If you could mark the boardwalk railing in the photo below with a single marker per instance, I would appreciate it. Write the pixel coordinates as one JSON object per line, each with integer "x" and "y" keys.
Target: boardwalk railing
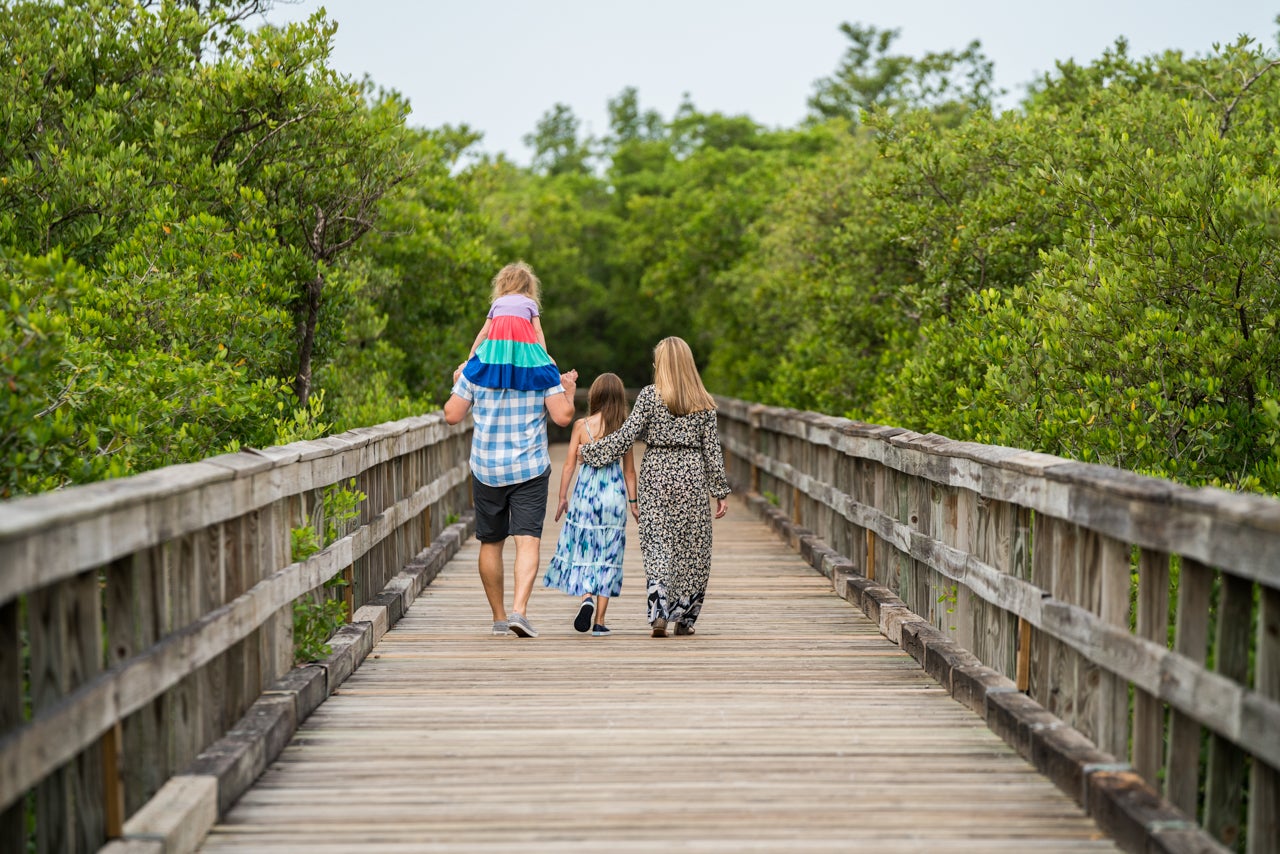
{"x": 1142, "y": 613}
{"x": 141, "y": 618}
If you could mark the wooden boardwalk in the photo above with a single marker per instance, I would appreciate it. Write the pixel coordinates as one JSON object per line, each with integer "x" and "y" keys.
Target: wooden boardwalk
{"x": 788, "y": 723}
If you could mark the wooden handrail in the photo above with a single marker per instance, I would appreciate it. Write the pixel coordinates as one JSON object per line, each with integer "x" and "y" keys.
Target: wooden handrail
{"x": 1059, "y": 575}
{"x": 155, "y": 609}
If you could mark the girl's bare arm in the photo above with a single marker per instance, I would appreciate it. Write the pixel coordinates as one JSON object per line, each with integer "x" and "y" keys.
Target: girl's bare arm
{"x": 570, "y": 463}
{"x": 481, "y": 336}
{"x": 537, "y": 331}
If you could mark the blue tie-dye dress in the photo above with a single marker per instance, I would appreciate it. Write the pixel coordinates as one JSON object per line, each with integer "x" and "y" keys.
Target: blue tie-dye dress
{"x": 588, "y": 556}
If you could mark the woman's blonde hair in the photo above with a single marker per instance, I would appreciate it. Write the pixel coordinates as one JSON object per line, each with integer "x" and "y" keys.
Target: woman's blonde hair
{"x": 608, "y": 397}
{"x": 517, "y": 278}
{"x": 676, "y": 378}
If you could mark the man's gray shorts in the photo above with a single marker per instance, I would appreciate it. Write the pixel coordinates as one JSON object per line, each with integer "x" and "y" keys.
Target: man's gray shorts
{"x": 510, "y": 511}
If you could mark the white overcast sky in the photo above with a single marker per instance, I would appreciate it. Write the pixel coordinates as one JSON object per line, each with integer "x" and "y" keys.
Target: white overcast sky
{"x": 498, "y": 65}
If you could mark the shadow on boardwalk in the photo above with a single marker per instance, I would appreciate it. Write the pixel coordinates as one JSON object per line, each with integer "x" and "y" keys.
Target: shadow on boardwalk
{"x": 788, "y": 723}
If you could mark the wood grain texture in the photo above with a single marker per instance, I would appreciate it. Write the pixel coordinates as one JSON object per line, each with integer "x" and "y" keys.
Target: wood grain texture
{"x": 1182, "y": 779}
{"x": 1264, "y": 780}
{"x": 788, "y": 722}
{"x": 1153, "y": 625}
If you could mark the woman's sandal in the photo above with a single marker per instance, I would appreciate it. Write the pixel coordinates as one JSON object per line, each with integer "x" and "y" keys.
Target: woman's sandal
{"x": 682, "y": 629}
{"x": 659, "y": 628}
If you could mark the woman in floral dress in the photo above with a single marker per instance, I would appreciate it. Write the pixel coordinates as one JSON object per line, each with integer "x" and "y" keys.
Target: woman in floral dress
{"x": 683, "y": 467}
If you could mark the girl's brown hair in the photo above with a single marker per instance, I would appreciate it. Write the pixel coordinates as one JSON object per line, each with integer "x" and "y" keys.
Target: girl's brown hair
{"x": 609, "y": 398}
{"x": 676, "y": 378}
{"x": 517, "y": 278}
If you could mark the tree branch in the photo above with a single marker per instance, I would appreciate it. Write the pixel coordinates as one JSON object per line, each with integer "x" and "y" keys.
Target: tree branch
{"x": 1225, "y": 124}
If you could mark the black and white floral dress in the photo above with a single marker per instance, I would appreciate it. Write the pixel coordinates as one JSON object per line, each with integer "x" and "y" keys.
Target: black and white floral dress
{"x": 683, "y": 468}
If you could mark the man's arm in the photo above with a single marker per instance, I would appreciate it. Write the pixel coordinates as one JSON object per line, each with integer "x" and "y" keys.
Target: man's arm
{"x": 455, "y": 409}
{"x": 559, "y": 406}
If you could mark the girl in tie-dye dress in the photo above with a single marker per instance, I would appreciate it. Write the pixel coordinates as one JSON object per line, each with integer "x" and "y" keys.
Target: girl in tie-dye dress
{"x": 510, "y": 350}
{"x": 588, "y": 558}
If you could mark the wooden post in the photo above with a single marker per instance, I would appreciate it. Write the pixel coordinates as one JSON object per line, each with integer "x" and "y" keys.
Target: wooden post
{"x": 84, "y": 628}
{"x": 1153, "y": 625}
{"x": 1225, "y": 776}
{"x": 12, "y": 830}
{"x": 48, "y": 645}
{"x": 1040, "y": 647}
{"x": 1182, "y": 779}
{"x": 1024, "y": 655}
{"x": 1112, "y": 710}
{"x": 112, "y": 781}
{"x": 185, "y": 712}
{"x": 754, "y": 446}
{"x": 348, "y": 590}
{"x": 871, "y": 555}
{"x": 995, "y": 540}
{"x": 1264, "y": 781}
{"x": 1063, "y": 680}
{"x": 132, "y": 627}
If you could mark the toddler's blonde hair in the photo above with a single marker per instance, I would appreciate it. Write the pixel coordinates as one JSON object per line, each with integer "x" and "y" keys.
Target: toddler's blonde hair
{"x": 517, "y": 278}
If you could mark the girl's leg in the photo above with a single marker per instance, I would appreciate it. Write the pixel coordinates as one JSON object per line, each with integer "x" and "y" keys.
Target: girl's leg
{"x": 602, "y": 604}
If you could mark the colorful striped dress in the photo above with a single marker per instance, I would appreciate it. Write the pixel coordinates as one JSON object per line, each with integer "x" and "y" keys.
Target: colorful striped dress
{"x": 511, "y": 357}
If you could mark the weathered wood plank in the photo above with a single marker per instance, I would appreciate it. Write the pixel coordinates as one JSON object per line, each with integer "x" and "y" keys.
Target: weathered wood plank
{"x": 85, "y": 653}
{"x": 1112, "y": 713}
{"x": 1182, "y": 779}
{"x": 113, "y": 782}
{"x": 1225, "y": 774}
{"x": 12, "y": 824}
{"x": 132, "y": 618}
{"x": 50, "y": 656}
{"x": 1264, "y": 779}
{"x": 1153, "y": 625}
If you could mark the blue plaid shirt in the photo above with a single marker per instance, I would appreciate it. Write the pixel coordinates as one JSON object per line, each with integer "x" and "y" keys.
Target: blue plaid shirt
{"x": 510, "y": 441}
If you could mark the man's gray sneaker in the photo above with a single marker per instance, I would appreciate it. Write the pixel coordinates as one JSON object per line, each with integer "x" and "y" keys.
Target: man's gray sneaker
{"x": 500, "y": 628}
{"x": 520, "y": 626}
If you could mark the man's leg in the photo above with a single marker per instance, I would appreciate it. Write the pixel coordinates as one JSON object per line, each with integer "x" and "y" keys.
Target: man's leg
{"x": 526, "y": 571}
{"x": 528, "y": 510}
{"x": 492, "y": 531}
{"x": 491, "y": 577}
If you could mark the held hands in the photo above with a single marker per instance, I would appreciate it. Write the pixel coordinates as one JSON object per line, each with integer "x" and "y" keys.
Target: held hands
{"x": 722, "y": 507}
{"x": 561, "y": 508}
{"x": 570, "y": 382}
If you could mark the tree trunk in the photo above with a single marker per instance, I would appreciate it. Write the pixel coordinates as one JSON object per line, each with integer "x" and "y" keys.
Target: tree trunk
{"x": 307, "y": 342}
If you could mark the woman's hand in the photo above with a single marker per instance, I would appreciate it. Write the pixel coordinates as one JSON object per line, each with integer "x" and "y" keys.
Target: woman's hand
{"x": 561, "y": 508}
{"x": 722, "y": 507}
{"x": 635, "y": 509}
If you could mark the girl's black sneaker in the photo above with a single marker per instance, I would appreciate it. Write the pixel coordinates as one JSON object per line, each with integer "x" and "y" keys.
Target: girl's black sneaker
{"x": 600, "y": 631}
{"x": 586, "y": 611}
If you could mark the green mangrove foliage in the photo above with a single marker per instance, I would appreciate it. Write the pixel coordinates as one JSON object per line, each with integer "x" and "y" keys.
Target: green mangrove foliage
{"x": 1091, "y": 274}
{"x": 184, "y": 207}
{"x": 208, "y": 239}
